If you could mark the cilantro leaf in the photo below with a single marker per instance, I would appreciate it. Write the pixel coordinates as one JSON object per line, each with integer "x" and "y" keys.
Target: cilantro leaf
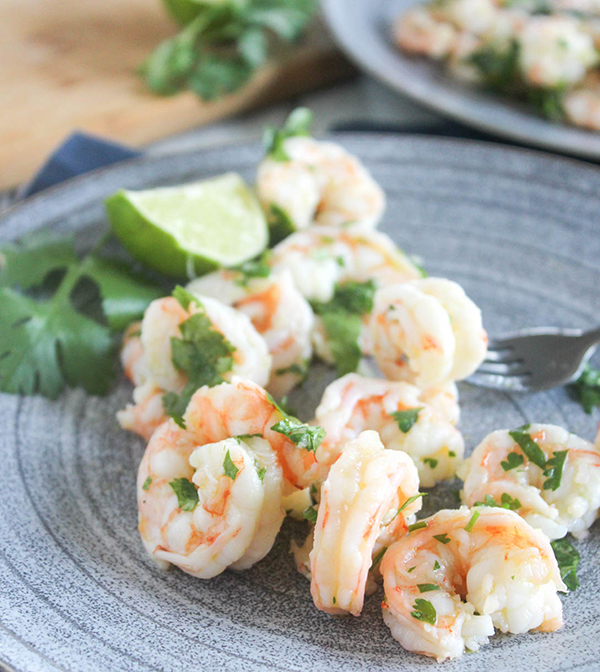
{"x": 28, "y": 263}
{"x": 471, "y": 524}
{"x": 377, "y": 559}
{"x": 187, "y": 494}
{"x": 442, "y": 538}
{"x": 587, "y": 388}
{"x": 406, "y": 419}
{"x": 215, "y": 76}
{"x": 229, "y": 468}
{"x": 280, "y": 224}
{"x": 417, "y": 526}
{"x": 554, "y": 470}
{"x": 424, "y": 611}
{"x": 410, "y": 500}
{"x": 298, "y": 123}
{"x": 342, "y": 331}
{"x": 147, "y": 483}
{"x": 436, "y": 565}
{"x": 567, "y": 558}
{"x": 513, "y": 460}
{"x": 534, "y": 453}
{"x": 303, "y": 435}
{"x": 431, "y": 461}
{"x": 185, "y": 298}
{"x": 310, "y": 514}
{"x": 45, "y": 345}
{"x": 427, "y": 587}
{"x": 354, "y": 298}
{"x": 202, "y": 353}
{"x": 125, "y": 296}
{"x": 298, "y": 369}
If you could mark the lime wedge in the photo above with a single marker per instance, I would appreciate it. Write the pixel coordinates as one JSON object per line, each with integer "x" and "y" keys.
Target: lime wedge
{"x": 190, "y": 229}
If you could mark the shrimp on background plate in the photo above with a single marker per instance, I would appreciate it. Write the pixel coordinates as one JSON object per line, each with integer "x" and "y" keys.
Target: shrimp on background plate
{"x": 547, "y": 475}
{"x": 368, "y": 499}
{"x": 148, "y": 357}
{"x": 278, "y": 311}
{"x": 404, "y": 420}
{"x": 461, "y": 574}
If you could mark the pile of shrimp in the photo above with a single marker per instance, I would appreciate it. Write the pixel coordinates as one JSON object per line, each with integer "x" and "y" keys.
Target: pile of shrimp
{"x": 225, "y": 463}
{"x": 547, "y": 52}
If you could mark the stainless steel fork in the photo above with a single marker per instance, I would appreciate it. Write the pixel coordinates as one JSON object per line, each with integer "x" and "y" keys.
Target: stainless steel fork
{"x": 536, "y": 359}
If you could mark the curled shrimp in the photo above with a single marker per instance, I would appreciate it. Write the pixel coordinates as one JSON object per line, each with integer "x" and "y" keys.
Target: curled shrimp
{"x": 321, "y": 257}
{"x": 451, "y": 582}
{"x": 426, "y": 332}
{"x": 353, "y": 404}
{"x": 147, "y": 357}
{"x": 558, "y": 491}
{"x": 319, "y": 183}
{"x": 279, "y": 313}
{"x": 207, "y": 507}
{"x": 243, "y": 408}
{"x": 361, "y": 504}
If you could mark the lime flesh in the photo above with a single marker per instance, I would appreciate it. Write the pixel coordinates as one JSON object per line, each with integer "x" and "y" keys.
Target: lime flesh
{"x": 191, "y": 229}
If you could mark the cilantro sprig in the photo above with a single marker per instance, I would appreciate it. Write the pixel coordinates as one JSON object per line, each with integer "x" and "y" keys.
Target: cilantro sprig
{"x": 424, "y": 611}
{"x": 222, "y": 45}
{"x": 531, "y": 449}
{"x": 187, "y": 493}
{"x": 56, "y": 329}
{"x": 303, "y": 435}
{"x": 202, "y": 353}
{"x": 297, "y": 124}
{"x": 341, "y": 317}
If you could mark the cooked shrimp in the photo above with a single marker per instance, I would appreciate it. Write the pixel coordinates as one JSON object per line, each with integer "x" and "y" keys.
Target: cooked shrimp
{"x": 418, "y": 32}
{"x": 449, "y": 583}
{"x": 558, "y": 491}
{"x": 148, "y": 356}
{"x": 361, "y": 502}
{"x": 279, "y": 313}
{"x": 243, "y": 408}
{"x": 319, "y": 258}
{"x": 426, "y": 332}
{"x": 207, "y": 507}
{"x": 353, "y": 404}
{"x": 320, "y": 183}
{"x": 555, "y": 51}
{"x": 582, "y": 105}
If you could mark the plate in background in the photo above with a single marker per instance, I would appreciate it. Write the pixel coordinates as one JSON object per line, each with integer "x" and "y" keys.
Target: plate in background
{"x": 364, "y": 33}
{"x": 77, "y": 592}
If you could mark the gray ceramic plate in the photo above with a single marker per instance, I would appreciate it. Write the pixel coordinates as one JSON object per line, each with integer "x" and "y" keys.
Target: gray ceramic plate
{"x": 363, "y": 31}
{"x": 517, "y": 229}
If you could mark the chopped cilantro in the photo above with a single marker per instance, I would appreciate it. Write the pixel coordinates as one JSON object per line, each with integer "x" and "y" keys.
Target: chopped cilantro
{"x": 406, "y": 419}
{"x": 310, "y": 513}
{"x": 554, "y": 470}
{"x": 567, "y": 558}
{"x": 298, "y": 369}
{"x": 334, "y": 600}
{"x": 451, "y": 453}
{"x": 534, "y": 453}
{"x": 303, "y": 435}
{"x": 512, "y": 461}
{"x": 261, "y": 473}
{"x": 280, "y": 224}
{"x": 417, "y": 526}
{"x": 185, "y": 298}
{"x": 410, "y": 569}
{"x": 202, "y": 353}
{"x": 471, "y": 524}
{"x": 254, "y": 268}
{"x": 587, "y": 388}
{"x": 355, "y": 298}
{"x": 229, "y": 468}
{"x": 424, "y": 611}
{"x": 427, "y": 587}
{"x": 243, "y": 437}
{"x": 298, "y": 123}
{"x": 147, "y": 483}
{"x": 187, "y": 495}
{"x": 431, "y": 461}
{"x": 410, "y": 500}
{"x": 436, "y": 565}
{"x": 442, "y": 538}
{"x": 506, "y": 502}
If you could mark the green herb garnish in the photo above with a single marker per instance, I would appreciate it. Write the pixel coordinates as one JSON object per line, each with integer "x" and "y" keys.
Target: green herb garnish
{"x": 304, "y": 436}
{"x": 406, "y": 419}
{"x": 431, "y": 461}
{"x": 442, "y": 538}
{"x": 417, "y": 526}
{"x": 377, "y": 558}
{"x": 187, "y": 495}
{"x": 427, "y": 587}
{"x": 436, "y": 565}
{"x": 587, "y": 388}
{"x": 506, "y": 502}
{"x": 410, "y": 569}
{"x": 229, "y": 468}
{"x": 513, "y": 460}
{"x": 147, "y": 483}
{"x": 534, "y": 453}
{"x": 469, "y": 526}
{"x": 554, "y": 470}
{"x": 298, "y": 123}
{"x": 254, "y": 268}
{"x": 310, "y": 513}
{"x": 424, "y": 611}
{"x": 567, "y": 558}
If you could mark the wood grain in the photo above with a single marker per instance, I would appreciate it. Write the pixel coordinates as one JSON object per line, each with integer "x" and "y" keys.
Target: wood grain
{"x": 69, "y": 65}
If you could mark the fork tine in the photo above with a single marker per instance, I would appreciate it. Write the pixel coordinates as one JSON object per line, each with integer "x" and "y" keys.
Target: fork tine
{"x": 499, "y": 355}
{"x": 514, "y": 368}
{"x": 499, "y": 382}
